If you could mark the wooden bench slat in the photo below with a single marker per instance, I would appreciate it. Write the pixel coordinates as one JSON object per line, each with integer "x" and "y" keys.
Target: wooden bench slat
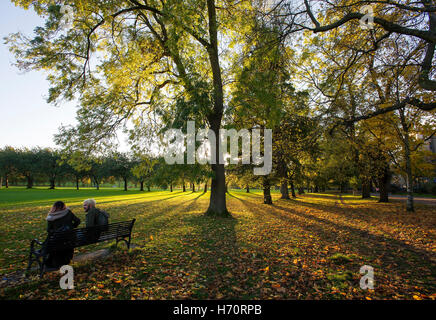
{"x": 84, "y": 236}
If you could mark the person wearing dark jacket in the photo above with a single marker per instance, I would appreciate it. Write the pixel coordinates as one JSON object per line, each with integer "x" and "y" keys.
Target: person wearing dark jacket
{"x": 60, "y": 218}
{"x": 91, "y": 212}
{"x": 92, "y": 220}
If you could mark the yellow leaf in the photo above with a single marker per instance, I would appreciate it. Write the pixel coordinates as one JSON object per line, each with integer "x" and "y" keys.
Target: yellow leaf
{"x": 237, "y": 289}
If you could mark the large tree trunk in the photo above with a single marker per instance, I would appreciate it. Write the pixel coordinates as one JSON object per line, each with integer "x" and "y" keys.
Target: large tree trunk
{"x": 284, "y": 189}
{"x": 409, "y": 182}
{"x": 171, "y": 187}
{"x": 342, "y": 188}
{"x": 409, "y": 178}
{"x": 29, "y": 182}
{"x": 366, "y": 188}
{"x": 293, "y": 189}
{"x": 141, "y": 185}
{"x": 193, "y": 187}
{"x": 266, "y": 191}
{"x": 52, "y": 183}
{"x": 409, "y": 175}
{"x": 125, "y": 184}
{"x": 217, "y": 205}
{"x": 77, "y": 183}
{"x": 247, "y": 188}
{"x": 97, "y": 183}
{"x": 184, "y": 187}
{"x": 6, "y": 181}
{"x": 148, "y": 188}
{"x": 383, "y": 184}
{"x": 300, "y": 190}
{"x": 205, "y": 188}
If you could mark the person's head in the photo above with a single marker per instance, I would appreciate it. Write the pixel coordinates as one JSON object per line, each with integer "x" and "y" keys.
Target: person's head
{"x": 58, "y": 206}
{"x": 88, "y": 204}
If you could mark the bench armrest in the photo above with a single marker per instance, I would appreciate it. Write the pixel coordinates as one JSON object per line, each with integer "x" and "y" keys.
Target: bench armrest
{"x": 32, "y": 244}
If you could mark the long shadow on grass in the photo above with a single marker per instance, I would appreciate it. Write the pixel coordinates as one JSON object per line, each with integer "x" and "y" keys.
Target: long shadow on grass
{"x": 154, "y": 216}
{"x": 144, "y": 197}
{"x": 368, "y": 242}
{"x": 225, "y": 269}
{"x": 352, "y": 211}
{"x": 362, "y": 235}
{"x": 394, "y": 253}
{"x": 217, "y": 251}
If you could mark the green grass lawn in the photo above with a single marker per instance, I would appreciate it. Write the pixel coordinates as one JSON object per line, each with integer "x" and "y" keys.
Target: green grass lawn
{"x": 20, "y": 196}
{"x": 310, "y": 247}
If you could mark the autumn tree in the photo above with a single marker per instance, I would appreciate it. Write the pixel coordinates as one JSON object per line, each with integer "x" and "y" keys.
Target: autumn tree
{"x": 119, "y": 165}
{"x": 363, "y": 73}
{"x": 153, "y": 51}
{"x": 295, "y": 140}
{"x": 51, "y": 165}
{"x": 415, "y": 22}
{"x": 262, "y": 87}
{"x": 29, "y": 164}
{"x": 142, "y": 170}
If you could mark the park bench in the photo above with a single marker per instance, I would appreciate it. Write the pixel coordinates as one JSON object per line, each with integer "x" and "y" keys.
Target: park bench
{"x": 70, "y": 239}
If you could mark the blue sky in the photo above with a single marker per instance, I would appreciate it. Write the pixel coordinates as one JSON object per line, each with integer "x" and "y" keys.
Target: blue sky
{"x": 26, "y": 119}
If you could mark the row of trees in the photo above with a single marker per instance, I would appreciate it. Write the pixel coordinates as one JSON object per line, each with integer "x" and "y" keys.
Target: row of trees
{"x": 53, "y": 166}
{"x": 303, "y": 159}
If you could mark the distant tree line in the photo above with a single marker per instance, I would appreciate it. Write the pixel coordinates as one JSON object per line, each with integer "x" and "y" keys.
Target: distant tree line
{"x": 53, "y": 167}
{"x": 302, "y": 162}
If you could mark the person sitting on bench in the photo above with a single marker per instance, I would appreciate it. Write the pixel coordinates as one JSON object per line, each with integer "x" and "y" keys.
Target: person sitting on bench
{"x": 94, "y": 217}
{"x": 60, "y": 218}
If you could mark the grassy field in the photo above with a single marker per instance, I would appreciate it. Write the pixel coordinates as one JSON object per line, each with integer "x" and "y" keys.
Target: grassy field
{"x": 309, "y": 248}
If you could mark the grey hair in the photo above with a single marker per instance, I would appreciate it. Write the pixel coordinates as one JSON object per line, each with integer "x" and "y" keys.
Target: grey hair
{"x": 90, "y": 202}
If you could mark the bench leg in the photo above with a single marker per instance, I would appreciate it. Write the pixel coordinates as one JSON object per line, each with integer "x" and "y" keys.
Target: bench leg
{"x": 29, "y": 264}
{"x": 128, "y": 243}
{"x": 32, "y": 258}
{"x": 41, "y": 266}
{"x": 31, "y": 261}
